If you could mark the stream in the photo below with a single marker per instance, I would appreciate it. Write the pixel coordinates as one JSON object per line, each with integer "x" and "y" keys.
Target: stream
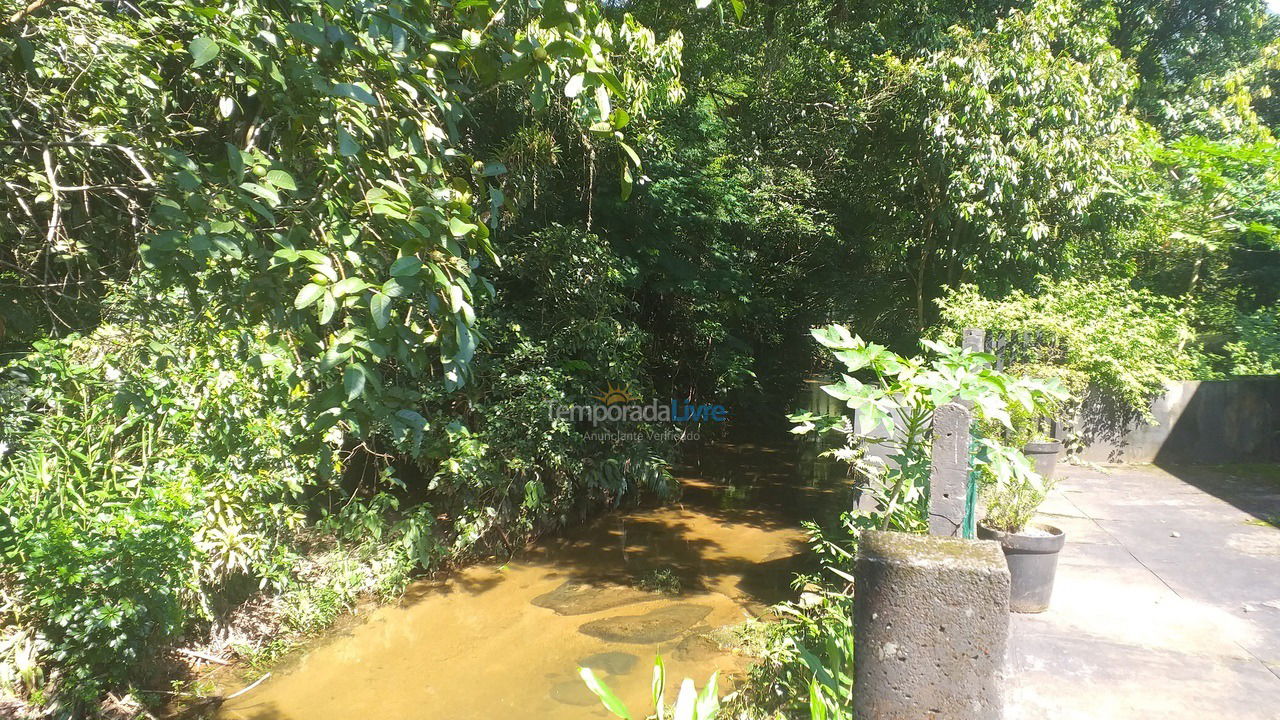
{"x": 504, "y": 640}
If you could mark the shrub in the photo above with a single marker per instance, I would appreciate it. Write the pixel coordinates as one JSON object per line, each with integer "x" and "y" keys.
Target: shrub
{"x": 156, "y": 470}
{"x": 278, "y": 217}
{"x": 1011, "y": 487}
{"x": 106, "y": 574}
{"x": 1257, "y": 352}
{"x": 1128, "y": 342}
{"x": 1030, "y": 426}
{"x": 894, "y": 398}
{"x": 142, "y": 480}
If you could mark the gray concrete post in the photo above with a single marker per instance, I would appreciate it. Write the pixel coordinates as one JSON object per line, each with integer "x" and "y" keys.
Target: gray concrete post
{"x": 932, "y": 621}
{"x": 949, "y": 475}
{"x": 974, "y": 339}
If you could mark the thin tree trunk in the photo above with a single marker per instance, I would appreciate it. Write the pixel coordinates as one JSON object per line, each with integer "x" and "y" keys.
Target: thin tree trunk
{"x": 922, "y": 272}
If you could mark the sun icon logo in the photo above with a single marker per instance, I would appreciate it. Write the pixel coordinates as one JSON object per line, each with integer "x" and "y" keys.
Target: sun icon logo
{"x": 615, "y": 395}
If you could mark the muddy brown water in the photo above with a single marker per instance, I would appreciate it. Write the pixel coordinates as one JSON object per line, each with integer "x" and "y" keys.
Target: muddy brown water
{"x": 503, "y": 640}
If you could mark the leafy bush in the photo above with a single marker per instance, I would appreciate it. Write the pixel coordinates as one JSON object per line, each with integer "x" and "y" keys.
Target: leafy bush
{"x": 130, "y": 499}
{"x": 1128, "y": 342}
{"x": 1257, "y": 352}
{"x": 1013, "y": 490}
{"x": 106, "y": 576}
{"x": 279, "y": 217}
{"x": 1035, "y": 426}
{"x": 183, "y": 447}
{"x": 561, "y": 330}
{"x": 810, "y": 663}
{"x": 811, "y": 659}
{"x": 894, "y": 409}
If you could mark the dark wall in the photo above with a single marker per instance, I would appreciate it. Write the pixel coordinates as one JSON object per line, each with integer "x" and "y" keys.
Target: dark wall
{"x": 1195, "y": 421}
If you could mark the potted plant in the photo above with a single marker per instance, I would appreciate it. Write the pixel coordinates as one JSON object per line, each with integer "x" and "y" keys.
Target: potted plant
{"x": 894, "y": 398}
{"x": 889, "y": 433}
{"x": 1033, "y": 431}
{"x": 1013, "y": 493}
{"x": 1043, "y": 451}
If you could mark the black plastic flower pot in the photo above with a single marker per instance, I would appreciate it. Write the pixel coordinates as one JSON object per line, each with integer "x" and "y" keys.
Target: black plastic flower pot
{"x": 1044, "y": 455}
{"x": 1032, "y": 556}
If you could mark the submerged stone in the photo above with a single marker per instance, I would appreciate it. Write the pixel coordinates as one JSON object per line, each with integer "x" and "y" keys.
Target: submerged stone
{"x": 659, "y": 625}
{"x": 573, "y": 692}
{"x": 612, "y": 663}
{"x": 696, "y": 648}
{"x": 581, "y": 598}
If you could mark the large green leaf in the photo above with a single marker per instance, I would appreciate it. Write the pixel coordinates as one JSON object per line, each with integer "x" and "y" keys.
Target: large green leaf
{"x": 658, "y": 685}
{"x": 602, "y": 691}
{"x": 347, "y": 145}
{"x": 353, "y": 381}
{"x": 380, "y": 307}
{"x": 348, "y": 286}
{"x": 355, "y": 91}
{"x": 407, "y": 266}
{"x": 203, "y": 50}
{"x": 281, "y": 179}
{"x": 307, "y": 33}
{"x": 307, "y": 295}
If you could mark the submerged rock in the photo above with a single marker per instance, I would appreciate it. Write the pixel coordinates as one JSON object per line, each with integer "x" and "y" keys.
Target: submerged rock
{"x": 611, "y": 663}
{"x": 573, "y": 692}
{"x": 659, "y": 625}
{"x": 696, "y": 648}
{"x": 575, "y": 597}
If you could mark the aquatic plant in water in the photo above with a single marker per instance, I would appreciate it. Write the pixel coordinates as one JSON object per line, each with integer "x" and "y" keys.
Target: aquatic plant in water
{"x": 690, "y": 704}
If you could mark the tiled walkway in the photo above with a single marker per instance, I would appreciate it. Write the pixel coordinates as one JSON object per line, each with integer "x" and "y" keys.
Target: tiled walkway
{"x": 1167, "y": 602}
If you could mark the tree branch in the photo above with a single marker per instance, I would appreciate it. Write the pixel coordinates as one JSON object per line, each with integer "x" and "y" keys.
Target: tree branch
{"x": 35, "y": 5}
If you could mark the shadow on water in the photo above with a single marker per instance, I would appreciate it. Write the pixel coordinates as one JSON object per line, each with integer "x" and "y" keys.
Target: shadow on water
{"x": 726, "y": 487}
{"x": 504, "y": 640}
{"x": 753, "y": 485}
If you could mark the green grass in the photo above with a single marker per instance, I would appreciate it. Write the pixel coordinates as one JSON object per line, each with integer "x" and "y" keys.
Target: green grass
{"x": 660, "y": 580}
{"x": 752, "y": 638}
{"x": 1268, "y": 521}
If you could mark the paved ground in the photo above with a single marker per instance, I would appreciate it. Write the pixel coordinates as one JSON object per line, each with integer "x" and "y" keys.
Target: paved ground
{"x": 1167, "y": 602}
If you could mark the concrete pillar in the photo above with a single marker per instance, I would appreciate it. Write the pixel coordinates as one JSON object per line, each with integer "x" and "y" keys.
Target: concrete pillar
{"x": 949, "y": 476}
{"x": 931, "y": 619}
{"x": 973, "y": 339}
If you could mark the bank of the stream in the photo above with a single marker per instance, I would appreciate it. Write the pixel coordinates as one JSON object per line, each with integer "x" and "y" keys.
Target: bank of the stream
{"x": 504, "y": 639}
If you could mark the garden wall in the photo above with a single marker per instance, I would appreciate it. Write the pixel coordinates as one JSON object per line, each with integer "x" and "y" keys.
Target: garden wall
{"x": 1195, "y": 421}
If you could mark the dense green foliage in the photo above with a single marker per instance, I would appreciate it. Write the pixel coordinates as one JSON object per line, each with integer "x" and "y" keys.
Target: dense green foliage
{"x": 1128, "y": 342}
{"x": 894, "y": 409}
{"x": 287, "y": 288}
{"x": 894, "y": 398}
{"x": 1257, "y": 352}
{"x": 269, "y": 225}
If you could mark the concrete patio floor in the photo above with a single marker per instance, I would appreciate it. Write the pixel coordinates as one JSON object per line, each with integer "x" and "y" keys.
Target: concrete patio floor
{"x": 1166, "y": 605}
